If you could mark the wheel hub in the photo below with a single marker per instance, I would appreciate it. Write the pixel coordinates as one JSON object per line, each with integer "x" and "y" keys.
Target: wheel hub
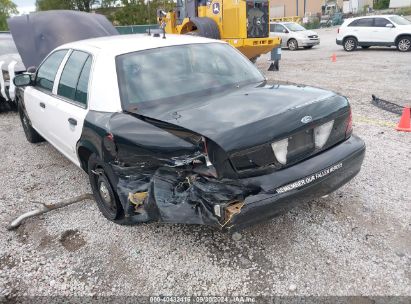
{"x": 104, "y": 193}
{"x": 404, "y": 45}
{"x": 25, "y": 122}
{"x": 349, "y": 44}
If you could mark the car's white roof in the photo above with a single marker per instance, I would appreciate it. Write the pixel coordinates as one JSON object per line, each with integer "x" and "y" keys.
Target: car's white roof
{"x": 122, "y": 44}
{"x": 282, "y": 22}
{"x": 372, "y": 16}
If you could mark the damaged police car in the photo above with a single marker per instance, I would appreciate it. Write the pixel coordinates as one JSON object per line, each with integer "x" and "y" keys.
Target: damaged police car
{"x": 185, "y": 129}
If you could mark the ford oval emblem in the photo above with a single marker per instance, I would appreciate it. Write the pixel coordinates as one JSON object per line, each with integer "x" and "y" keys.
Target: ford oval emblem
{"x": 306, "y": 119}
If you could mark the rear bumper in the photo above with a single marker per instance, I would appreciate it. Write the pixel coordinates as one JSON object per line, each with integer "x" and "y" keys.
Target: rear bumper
{"x": 338, "y": 42}
{"x": 313, "y": 178}
{"x": 176, "y": 196}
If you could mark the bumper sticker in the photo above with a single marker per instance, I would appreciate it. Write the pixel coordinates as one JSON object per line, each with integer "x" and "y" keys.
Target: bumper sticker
{"x": 309, "y": 179}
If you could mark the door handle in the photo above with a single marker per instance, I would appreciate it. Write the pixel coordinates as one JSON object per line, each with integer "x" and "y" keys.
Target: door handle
{"x": 72, "y": 121}
{"x": 43, "y": 105}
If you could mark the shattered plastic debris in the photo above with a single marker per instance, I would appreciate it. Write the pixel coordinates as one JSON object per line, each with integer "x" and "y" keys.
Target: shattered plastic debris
{"x": 232, "y": 210}
{"x": 137, "y": 199}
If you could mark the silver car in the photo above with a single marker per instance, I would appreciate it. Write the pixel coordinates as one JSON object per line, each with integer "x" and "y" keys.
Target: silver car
{"x": 294, "y": 35}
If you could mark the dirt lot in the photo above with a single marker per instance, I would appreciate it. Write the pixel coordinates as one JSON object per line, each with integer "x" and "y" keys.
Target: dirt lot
{"x": 355, "y": 242}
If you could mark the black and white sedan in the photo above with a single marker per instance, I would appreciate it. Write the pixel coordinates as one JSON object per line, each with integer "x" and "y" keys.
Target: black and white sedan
{"x": 186, "y": 130}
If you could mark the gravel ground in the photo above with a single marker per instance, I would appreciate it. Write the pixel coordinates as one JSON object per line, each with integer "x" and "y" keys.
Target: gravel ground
{"x": 355, "y": 242}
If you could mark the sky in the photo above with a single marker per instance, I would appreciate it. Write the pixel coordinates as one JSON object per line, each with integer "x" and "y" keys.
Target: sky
{"x": 25, "y": 6}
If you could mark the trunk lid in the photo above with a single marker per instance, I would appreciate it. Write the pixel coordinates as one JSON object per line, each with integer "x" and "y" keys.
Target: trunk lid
{"x": 252, "y": 116}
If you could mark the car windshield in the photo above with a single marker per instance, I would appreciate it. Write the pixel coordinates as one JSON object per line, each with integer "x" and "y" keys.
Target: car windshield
{"x": 294, "y": 27}
{"x": 7, "y": 45}
{"x": 399, "y": 20}
{"x": 176, "y": 72}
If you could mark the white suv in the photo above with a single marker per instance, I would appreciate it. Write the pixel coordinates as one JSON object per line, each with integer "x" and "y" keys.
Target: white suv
{"x": 384, "y": 30}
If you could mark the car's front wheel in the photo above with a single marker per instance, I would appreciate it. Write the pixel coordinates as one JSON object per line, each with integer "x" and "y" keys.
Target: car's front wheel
{"x": 350, "y": 44}
{"x": 404, "y": 44}
{"x": 104, "y": 194}
{"x": 292, "y": 44}
{"x": 31, "y": 135}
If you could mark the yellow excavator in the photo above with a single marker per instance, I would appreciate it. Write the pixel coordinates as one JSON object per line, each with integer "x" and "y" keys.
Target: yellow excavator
{"x": 242, "y": 23}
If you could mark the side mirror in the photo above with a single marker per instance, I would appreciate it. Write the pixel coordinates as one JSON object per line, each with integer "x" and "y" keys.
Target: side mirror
{"x": 22, "y": 80}
{"x": 32, "y": 70}
{"x": 389, "y": 25}
{"x": 285, "y": 31}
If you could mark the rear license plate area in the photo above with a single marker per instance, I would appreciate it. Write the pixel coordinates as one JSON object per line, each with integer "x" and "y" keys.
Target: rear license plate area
{"x": 300, "y": 145}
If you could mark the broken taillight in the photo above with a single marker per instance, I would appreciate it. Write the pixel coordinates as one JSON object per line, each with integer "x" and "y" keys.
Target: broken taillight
{"x": 322, "y": 133}
{"x": 280, "y": 150}
{"x": 348, "y": 129}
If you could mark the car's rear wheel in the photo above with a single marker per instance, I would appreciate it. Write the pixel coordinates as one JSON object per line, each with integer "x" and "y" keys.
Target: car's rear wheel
{"x": 104, "y": 194}
{"x": 292, "y": 44}
{"x": 31, "y": 135}
{"x": 350, "y": 44}
{"x": 404, "y": 44}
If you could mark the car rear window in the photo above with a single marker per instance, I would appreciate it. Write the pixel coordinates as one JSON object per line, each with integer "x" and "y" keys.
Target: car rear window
{"x": 168, "y": 73}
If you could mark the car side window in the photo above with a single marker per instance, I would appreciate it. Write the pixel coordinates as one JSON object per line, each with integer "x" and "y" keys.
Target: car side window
{"x": 364, "y": 22}
{"x": 82, "y": 85}
{"x": 272, "y": 27}
{"x": 48, "y": 70}
{"x": 73, "y": 79}
{"x": 279, "y": 28}
{"x": 381, "y": 22}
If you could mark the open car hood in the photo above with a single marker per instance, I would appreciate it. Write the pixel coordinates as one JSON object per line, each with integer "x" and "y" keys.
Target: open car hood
{"x": 37, "y": 34}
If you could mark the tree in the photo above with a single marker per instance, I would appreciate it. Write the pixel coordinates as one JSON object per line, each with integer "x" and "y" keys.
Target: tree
{"x": 80, "y": 5}
{"x": 140, "y": 11}
{"x": 7, "y": 8}
{"x": 381, "y": 4}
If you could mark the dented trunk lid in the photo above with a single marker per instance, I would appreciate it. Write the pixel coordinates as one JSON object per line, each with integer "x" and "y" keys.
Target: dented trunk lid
{"x": 251, "y": 116}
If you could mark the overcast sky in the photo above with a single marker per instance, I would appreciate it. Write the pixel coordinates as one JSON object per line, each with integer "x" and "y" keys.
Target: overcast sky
{"x": 25, "y": 6}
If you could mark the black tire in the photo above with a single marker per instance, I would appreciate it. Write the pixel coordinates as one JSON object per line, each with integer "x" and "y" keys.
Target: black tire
{"x": 31, "y": 135}
{"x": 104, "y": 195}
{"x": 4, "y": 105}
{"x": 292, "y": 44}
{"x": 365, "y": 47}
{"x": 404, "y": 44}
{"x": 308, "y": 47}
{"x": 350, "y": 44}
{"x": 206, "y": 27}
{"x": 254, "y": 59}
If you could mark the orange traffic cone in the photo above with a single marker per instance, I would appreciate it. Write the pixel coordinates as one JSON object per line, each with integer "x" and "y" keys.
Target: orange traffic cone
{"x": 405, "y": 123}
{"x": 333, "y": 58}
